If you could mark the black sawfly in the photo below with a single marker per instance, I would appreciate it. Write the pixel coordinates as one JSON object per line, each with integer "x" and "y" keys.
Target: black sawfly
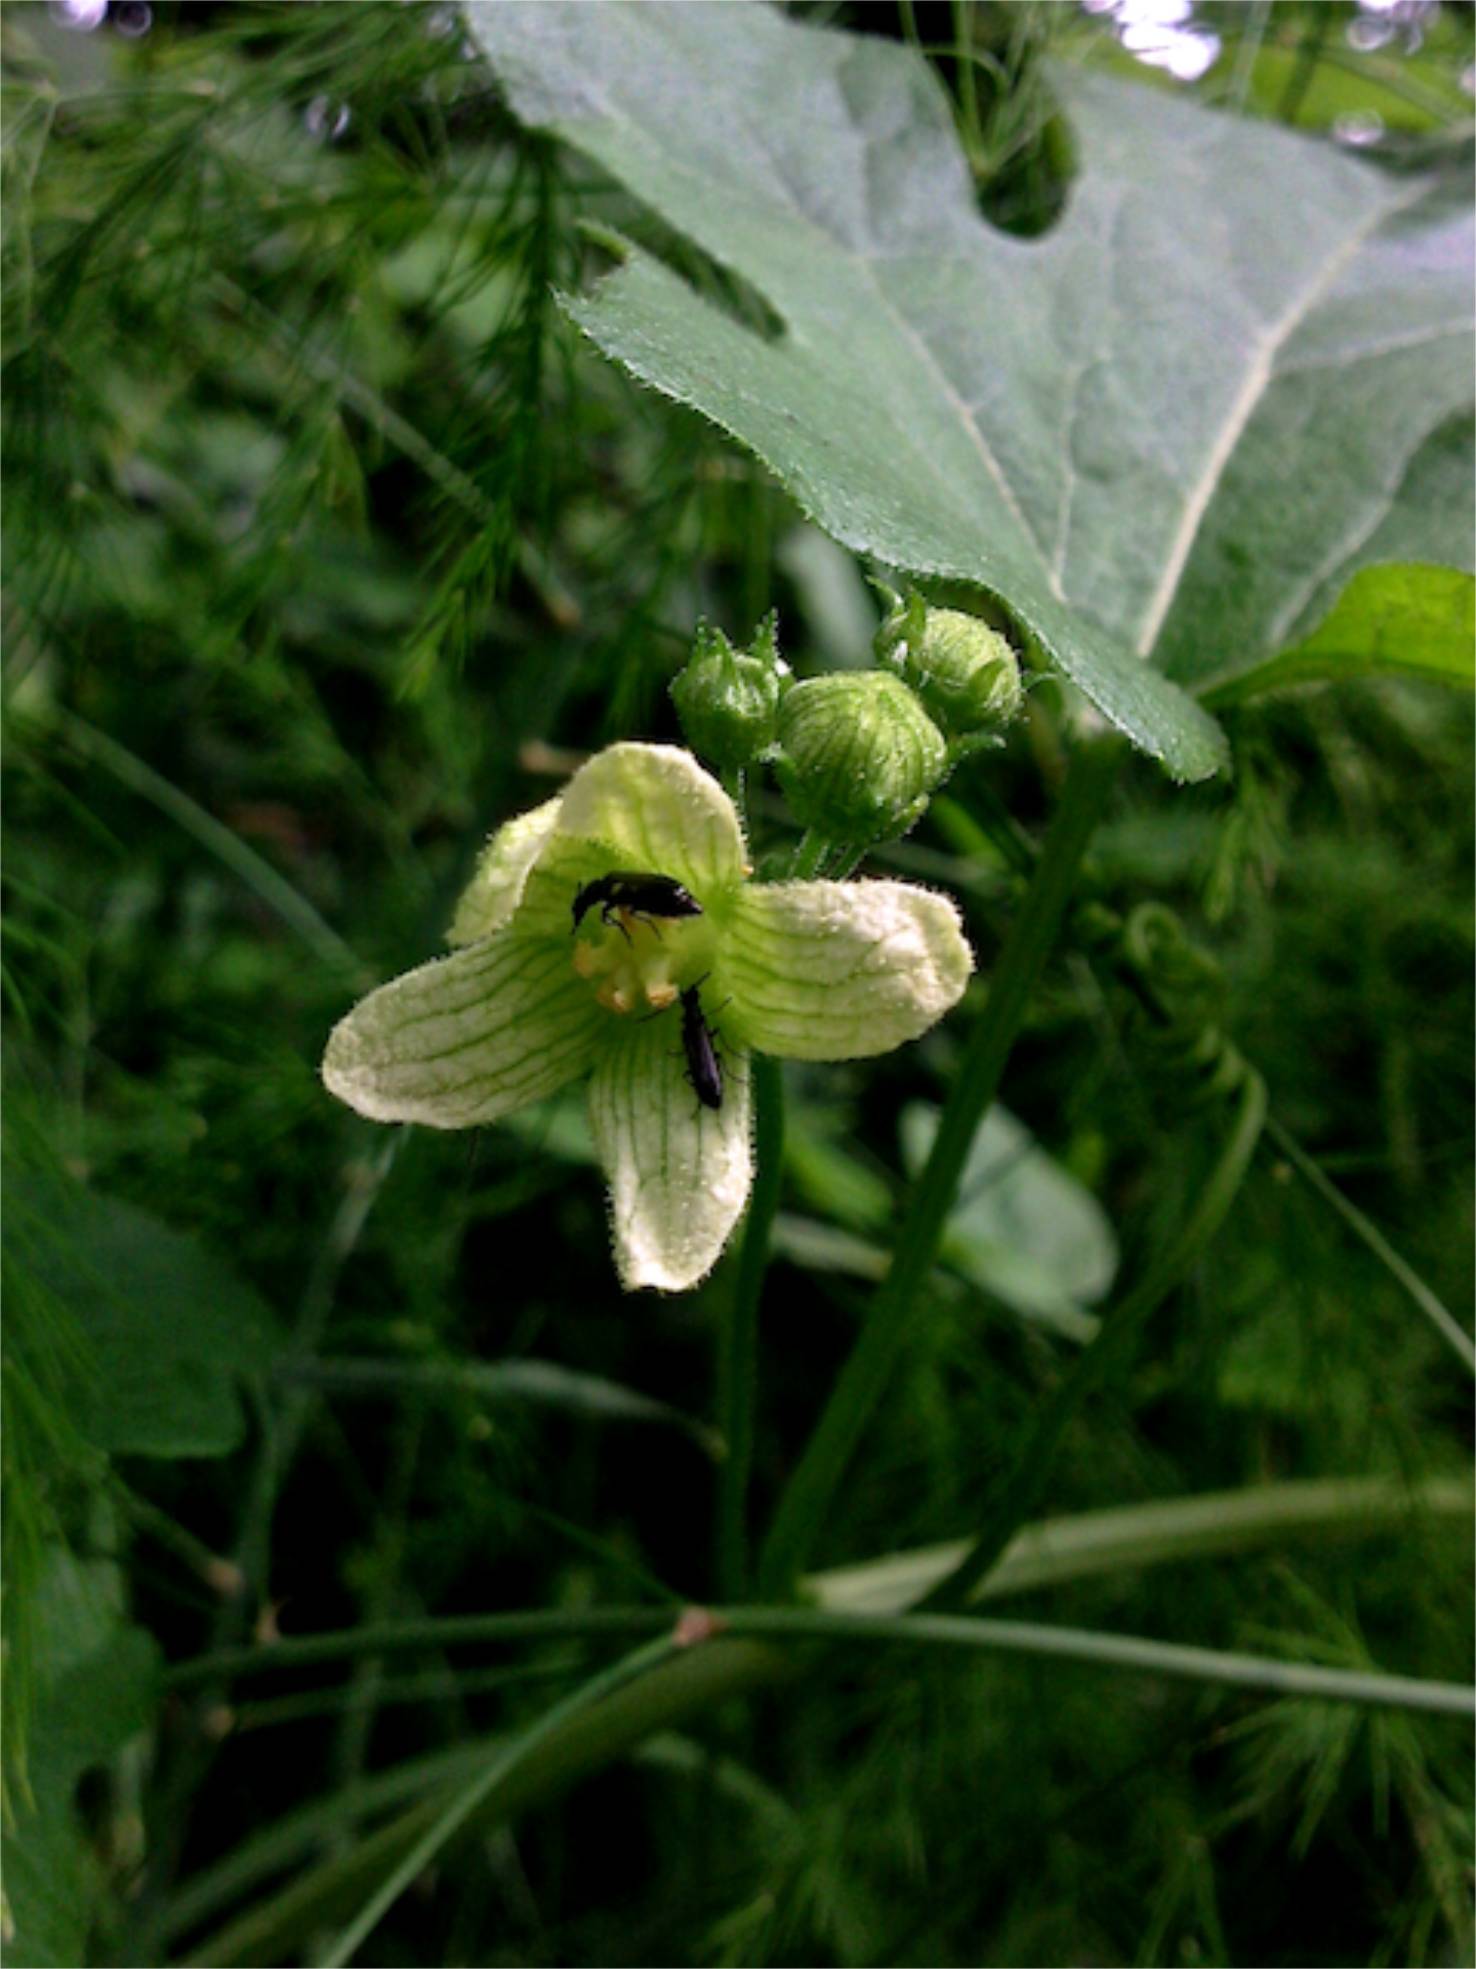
{"x": 637, "y": 894}
{"x": 704, "y": 1068}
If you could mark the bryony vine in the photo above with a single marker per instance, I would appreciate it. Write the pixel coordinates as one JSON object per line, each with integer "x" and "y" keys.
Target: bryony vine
{"x": 530, "y": 1001}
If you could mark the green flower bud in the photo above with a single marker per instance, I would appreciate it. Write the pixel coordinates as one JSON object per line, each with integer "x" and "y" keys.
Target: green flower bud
{"x": 858, "y": 756}
{"x": 728, "y": 700}
{"x": 966, "y": 674}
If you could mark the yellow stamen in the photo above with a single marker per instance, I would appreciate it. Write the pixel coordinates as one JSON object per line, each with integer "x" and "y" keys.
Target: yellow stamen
{"x": 635, "y": 963}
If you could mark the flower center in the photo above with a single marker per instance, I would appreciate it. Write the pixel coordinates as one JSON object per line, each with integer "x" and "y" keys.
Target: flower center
{"x": 641, "y": 963}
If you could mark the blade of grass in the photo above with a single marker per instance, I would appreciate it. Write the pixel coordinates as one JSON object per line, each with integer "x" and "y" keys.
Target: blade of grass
{"x": 455, "y": 1815}
{"x": 520, "y": 1380}
{"x": 687, "y": 1685}
{"x": 301, "y": 1832}
{"x": 1055, "y": 1551}
{"x": 1444, "y": 1322}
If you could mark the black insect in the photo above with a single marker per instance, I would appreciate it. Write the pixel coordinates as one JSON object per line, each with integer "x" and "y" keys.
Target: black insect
{"x": 635, "y": 893}
{"x": 704, "y": 1068}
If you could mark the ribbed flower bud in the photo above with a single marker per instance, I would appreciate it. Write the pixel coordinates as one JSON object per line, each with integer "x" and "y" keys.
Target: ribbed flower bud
{"x": 966, "y": 674}
{"x": 728, "y": 699}
{"x": 858, "y": 756}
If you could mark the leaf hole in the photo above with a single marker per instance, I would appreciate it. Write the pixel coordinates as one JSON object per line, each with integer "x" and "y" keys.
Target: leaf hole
{"x": 719, "y": 286}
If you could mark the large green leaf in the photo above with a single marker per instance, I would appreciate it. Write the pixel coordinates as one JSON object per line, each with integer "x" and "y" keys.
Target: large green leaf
{"x": 101, "y": 1690}
{"x": 1023, "y": 1229}
{"x": 1174, "y": 426}
{"x": 169, "y": 1331}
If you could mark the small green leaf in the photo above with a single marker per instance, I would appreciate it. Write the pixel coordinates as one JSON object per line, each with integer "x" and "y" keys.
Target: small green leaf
{"x": 1392, "y": 621}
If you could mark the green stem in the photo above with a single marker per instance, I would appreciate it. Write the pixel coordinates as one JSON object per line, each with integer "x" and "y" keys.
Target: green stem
{"x": 455, "y": 1815}
{"x": 1017, "y": 1494}
{"x": 1444, "y": 1322}
{"x": 1127, "y": 1537}
{"x": 222, "y": 1575}
{"x": 738, "y": 1355}
{"x": 357, "y": 1719}
{"x": 850, "y": 859}
{"x": 963, "y": 69}
{"x": 301, "y": 1650}
{"x": 1253, "y": 22}
{"x": 809, "y": 856}
{"x": 901, "y": 1300}
{"x": 1309, "y": 53}
{"x": 387, "y": 1693}
{"x": 1103, "y": 1650}
{"x": 985, "y": 831}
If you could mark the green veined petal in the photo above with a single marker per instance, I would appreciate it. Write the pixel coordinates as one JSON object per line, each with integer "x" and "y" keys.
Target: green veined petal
{"x": 655, "y": 809}
{"x": 839, "y": 970}
{"x": 679, "y": 1173}
{"x": 489, "y": 899}
{"x": 467, "y": 1038}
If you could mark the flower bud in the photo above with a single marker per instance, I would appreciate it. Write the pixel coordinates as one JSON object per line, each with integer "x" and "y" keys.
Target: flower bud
{"x": 858, "y": 756}
{"x": 966, "y": 673}
{"x": 728, "y": 700}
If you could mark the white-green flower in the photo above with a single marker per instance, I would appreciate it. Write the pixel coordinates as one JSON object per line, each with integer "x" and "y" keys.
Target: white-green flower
{"x": 800, "y": 970}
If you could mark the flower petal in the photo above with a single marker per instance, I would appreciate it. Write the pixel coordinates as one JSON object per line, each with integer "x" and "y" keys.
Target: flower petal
{"x": 468, "y": 1037}
{"x": 679, "y": 1173}
{"x": 656, "y": 810}
{"x": 839, "y": 970}
{"x": 489, "y": 899}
